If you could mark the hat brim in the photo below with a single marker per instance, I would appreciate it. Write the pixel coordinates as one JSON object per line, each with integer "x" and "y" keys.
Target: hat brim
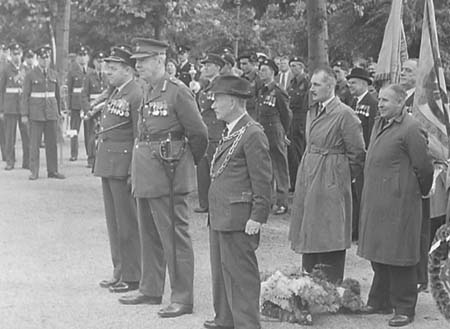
{"x": 369, "y": 81}
{"x": 231, "y": 93}
{"x": 142, "y": 55}
{"x": 117, "y": 60}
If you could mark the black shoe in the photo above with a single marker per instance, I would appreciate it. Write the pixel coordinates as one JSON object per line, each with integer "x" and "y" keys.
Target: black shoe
{"x": 108, "y": 283}
{"x": 201, "y": 209}
{"x": 400, "y": 320}
{"x": 33, "y": 177}
{"x": 73, "y": 159}
{"x": 9, "y": 167}
{"x": 174, "y": 309}
{"x": 140, "y": 298}
{"x": 211, "y": 324}
{"x": 56, "y": 175}
{"x": 368, "y": 309}
{"x": 122, "y": 286}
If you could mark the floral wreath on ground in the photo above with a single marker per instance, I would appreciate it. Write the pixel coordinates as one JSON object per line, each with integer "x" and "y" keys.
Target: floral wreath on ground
{"x": 439, "y": 269}
{"x": 294, "y": 296}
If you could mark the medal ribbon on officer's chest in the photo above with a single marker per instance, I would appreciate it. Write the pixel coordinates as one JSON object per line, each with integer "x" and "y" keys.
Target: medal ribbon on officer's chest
{"x": 363, "y": 110}
{"x": 119, "y": 107}
{"x": 156, "y": 109}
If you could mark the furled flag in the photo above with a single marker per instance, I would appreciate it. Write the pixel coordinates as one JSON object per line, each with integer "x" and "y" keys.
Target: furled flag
{"x": 431, "y": 106}
{"x": 393, "y": 49}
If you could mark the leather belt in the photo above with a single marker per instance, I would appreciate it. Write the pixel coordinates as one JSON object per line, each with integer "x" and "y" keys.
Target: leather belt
{"x": 13, "y": 90}
{"x": 173, "y": 135}
{"x": 46, "y": 94}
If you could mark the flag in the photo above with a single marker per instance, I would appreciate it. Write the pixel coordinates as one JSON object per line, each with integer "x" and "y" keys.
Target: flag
{"x": 394, "y": 48}
{"x": 431, "y": 106}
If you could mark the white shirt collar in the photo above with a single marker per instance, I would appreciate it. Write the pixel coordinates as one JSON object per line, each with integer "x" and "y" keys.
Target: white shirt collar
{"x": 409, "y": 92}
{"x": 360, "y": 97}
{"x": 233, "y": 123}
{"x": 328, "y": 101}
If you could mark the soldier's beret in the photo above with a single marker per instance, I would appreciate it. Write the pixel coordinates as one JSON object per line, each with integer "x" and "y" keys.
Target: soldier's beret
{"x": 183, "y": 49}
{"x": 2, "y": 46}
{"x": 145, "y": 47}
{"x": 227, "y": 50}
{"x": 250, "y": 56}
{"x": 121, "y": 55}
{"x": 228, "y": 58}
{"x": 215, "y": 59}
{"x": 231, "y": 85}
{"x": 296, "y": 59}
{"x": 83, "y": 51}
{"x": 100, "y": 55}
{"x": 342, "y": 64}
{"x": 15, "y": 48}
{"x": 360, "y": 73}
{"x": 270, "y": 63}
{"x": 43, "y": 51}
{"x": 28, "y": 53}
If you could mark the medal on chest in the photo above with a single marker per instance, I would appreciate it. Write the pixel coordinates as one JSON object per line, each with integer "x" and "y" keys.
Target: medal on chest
{"x": 119, "y": 107}
{"x": 156, "y": 109}
{"x": 363, "y": 110}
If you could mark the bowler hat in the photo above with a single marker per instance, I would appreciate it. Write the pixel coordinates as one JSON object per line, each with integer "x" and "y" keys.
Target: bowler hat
{"x": 120, "y": 55}
{"x": 215, "y": 59}
{"x": 270, "y": 63}
{"x": 360, "y": 73}
{"x": 231, "y": 85}
{"x": 146, "y": 47}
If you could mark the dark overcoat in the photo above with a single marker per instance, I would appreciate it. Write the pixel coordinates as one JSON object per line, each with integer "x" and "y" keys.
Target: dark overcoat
{"x": 398, "y": 171}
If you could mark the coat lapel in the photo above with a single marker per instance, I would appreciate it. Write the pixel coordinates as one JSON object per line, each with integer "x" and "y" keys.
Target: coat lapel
{"x": 225, "y": 145}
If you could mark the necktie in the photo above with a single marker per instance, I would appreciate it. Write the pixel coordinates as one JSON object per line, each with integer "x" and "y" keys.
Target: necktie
{"x": 283, "y": 80}
{"x": 354, "y": 103}
{"x": 319, "y": 110}
{"x": 225, "y": 132}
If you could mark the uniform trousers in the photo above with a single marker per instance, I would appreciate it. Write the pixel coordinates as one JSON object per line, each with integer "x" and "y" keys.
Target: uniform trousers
{"x": 49, "y": 128}
{"x": 394, "y": 286}
{"x": 11, "y": 122}
{"x": 123, "y": 231}
{"x": 332, "y": 263}
{"x": 89, "y": 139}
{"x": 235, "y": 279}
{"x": 203, "y": 175}
{"x": 75, "y": 124}
{"x": 278, "y": 154}
{"x": 2, "y": 139}
{"x": 357, "y": 187}
{"x": 155, "y": 228}
{"x": 296, "y": 149}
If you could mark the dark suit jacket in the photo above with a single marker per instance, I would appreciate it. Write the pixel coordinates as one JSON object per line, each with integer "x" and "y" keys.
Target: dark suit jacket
{"x": 367, "y": 110}
{"x": 242, "y": 190}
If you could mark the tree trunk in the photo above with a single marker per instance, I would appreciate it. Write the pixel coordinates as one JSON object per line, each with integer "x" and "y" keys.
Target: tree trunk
{"x": 317, "y": 33}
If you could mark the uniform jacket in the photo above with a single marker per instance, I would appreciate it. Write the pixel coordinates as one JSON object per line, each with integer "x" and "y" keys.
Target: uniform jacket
{"x": 40, "y": 98}
{"x": 398, "y": 171}
{"x": 169, "y": 107}
{"x": 367, "y": 110}
{"x": 321, "y": 217}
{"x": 272, "y": 106}
{"x": 298, "y": 100}
{"x": 115, "y": 146}
{"x": 94, "y": 85}
{"x": 215, "y": 126}
{"x": 75, "y": 80}
{"x": 11, "y": 80}
{"x": 242, "y": 190}
{"x": 183, "y": 73}
{"x": 288, "y": 79}
{"x": 343, "y": 92}
{"x": 256, "y": 84}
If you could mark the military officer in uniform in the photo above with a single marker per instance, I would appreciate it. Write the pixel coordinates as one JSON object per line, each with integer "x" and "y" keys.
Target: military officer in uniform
{"x": 239, "y": 199}
{"x": 3, "y": 63}
{"x": 247, "y": 63}
{"x": 275, "y": 116}
{"x": 340, "y": 69}
{"x": 213, "y": 63}
{"x": 11, "y": 80}
{"x": 170, "y": 128}
{"x": 298, "y": 103}
{"x": 118, "y": 129}
{"x": 40, "y": 109}
{"x": 75, "y": 80}
{"x": 94, "y": 85}
{"x": 184, "y": 66}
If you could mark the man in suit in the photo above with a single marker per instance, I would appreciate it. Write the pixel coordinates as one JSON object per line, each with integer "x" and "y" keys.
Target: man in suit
{"x": 11, "y": 80}
{"x": 213, "y": 63}
{"x": 275, "y": 116}
{"x": 285, "y": 75}
{"x": 118, "y": 129}
{"x": 75, "y": 80}
{"x": 239, "y": 204}
{"x": 398, "y": 171}
{"x": 40, "y": 109}
{"x": 170, "y": 127}
{"x": 184, "y": 66}
{"x": 366, "y": 107}
{"x": 408, "y": 81}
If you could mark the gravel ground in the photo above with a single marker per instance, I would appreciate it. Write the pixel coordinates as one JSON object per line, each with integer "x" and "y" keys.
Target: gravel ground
{"x": 54, "y": 250}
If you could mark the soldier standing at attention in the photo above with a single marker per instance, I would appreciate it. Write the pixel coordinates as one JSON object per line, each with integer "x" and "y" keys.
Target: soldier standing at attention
{"x": 184, "y": 66}
{"x": 212, "y": 65}
{"x": 340, "y": 69}
{"x": 249, "y": 69}
{"x": 11, "y": 80}
{"x": 117, "y": 133}
{"x": 170, "y": 126}
{"x": 3, "y": 63}
{"x": 75, "y": 79}
{"x": 40, "y": 109}
{"x": 275, "y": 116}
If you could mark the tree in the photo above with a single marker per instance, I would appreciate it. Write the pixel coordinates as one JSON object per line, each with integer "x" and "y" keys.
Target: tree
{"x": 318, "y": 33}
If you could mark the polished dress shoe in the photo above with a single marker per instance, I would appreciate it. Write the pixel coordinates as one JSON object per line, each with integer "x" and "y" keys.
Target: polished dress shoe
{"x": 174, "y": 309}
{"x": 56, "y": 175}
{"x": 123, "y": 286}
{"x": 201, "y": 210}
{"x": 400, "y": 320}
{"x": 9, "y": 167}
{"x": 108, "y": 283}
{"x": 73, "y": 159}
{"x": 140, "y": 298}
{"x": 211, "y": 324}
{"x": 33, "y": 177}
{"x": 368, "y": 309}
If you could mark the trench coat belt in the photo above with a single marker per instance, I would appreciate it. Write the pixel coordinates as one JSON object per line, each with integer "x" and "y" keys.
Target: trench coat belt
{"x": 323, "y": 151}
{"x": 45, "y": 94}
{"x": 77, "y": 90}
{"x": 13, "y": 90}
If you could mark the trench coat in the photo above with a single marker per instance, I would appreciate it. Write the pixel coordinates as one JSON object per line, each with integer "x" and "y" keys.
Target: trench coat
{"x": 321, "y": 218}
{"x": 398, "y": 171}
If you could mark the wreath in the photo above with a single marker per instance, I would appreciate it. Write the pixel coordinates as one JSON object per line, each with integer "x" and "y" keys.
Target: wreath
{"x": 439, "y": 270}
{"x": 295, "y": 296}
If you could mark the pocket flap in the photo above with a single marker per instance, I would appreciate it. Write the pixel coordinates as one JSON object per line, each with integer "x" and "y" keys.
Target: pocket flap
{"x": 244, "y": 197}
